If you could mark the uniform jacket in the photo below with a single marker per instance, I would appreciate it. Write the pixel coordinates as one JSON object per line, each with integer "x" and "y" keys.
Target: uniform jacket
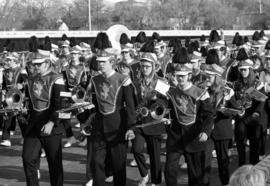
{"x": 146, "y": 96}
{"x": 222, "y": 121}
{"x": 113, "y": 98}
{"x": 191, "y": 114}
{"x": 254, "y": 105}
{"x": 44, "y": 97}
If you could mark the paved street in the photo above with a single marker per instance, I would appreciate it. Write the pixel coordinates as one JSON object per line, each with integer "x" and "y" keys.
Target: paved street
{"x": 11, "y": 171}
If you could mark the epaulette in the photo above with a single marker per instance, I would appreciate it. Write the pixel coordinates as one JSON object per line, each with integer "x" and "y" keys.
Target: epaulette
{"x": 127, "y": 82}
{"x": 60, "y": 81}
{"x": 205, "y": 95}
{"x": 260, "y": 85}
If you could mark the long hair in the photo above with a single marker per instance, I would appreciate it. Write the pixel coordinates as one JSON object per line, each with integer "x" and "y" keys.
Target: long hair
{"x": 217, "y": 85}
{"x": 250, "y": 80}
{"x": 216, "y": 89}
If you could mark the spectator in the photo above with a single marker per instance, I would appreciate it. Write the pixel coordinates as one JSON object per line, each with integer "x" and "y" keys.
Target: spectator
{"x": 248, "y": 175}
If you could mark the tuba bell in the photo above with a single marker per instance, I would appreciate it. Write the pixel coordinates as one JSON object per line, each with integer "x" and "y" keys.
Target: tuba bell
{"x": 114, "y": 33}
{"x": 14, "y": 99}
{"x": 158, "y": 110}
{"x": 78, "y": 94}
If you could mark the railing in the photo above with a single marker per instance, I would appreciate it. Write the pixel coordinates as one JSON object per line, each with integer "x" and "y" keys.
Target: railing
{"x": 133, "y": 33}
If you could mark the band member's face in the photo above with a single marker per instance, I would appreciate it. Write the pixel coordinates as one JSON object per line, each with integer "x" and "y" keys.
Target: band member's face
{"x": 41, "y": 68}
{"x": 244, "y": 72}
{"x": 31, "y": 69}
{"x": 146, "y": 68}
{"x": 125, "y": 55}
{"x": 65, "y": 49}
{"x": 220, "y": 52}
{"x": 254, "y": 50}
{"x": 75, "y": 57}
{"x": 104, "y": 66}
{"x": 196, "y": 65}
{"x": 158, "y": 51}
{"x": 124, "y": 70}
{"x": 182, "y": 79}
{"x": 267, "y": 63}
{"x": 210, "y": 79}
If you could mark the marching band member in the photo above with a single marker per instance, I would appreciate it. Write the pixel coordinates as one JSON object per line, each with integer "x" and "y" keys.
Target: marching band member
{"x": 146, "y": 96}
{"x": 265, "y": 79}
{"x": 232, "y": 72}
{"x": 197, "y": 76}
{"x": 44, "y": 129}
{"x": 220, "y": 96}
{"x": 75, "y": 75}
{"x": 86, "y": 55}
{"x": 115, "y": 115}
{"x": 190, "y": 129}
{"x": 128, "y": 65}
{"x": 162, "y": 55}
{"x": 253, "y": 121}
{"x": 64, "y": 56}
{"x": 12, "y": 78}
{"x": 223, "y": 53}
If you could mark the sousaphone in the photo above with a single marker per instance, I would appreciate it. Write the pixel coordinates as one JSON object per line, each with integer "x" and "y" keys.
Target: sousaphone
{"x": 114, "y": 33}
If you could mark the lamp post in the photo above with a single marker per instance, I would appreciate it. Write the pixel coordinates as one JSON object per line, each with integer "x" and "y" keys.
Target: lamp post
{"x": 89, "y": 14}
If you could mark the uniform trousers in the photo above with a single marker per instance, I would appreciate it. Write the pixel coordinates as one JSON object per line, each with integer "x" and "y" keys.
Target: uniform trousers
{"x": 9, "y": 124}
{"x": 195, "y": 164}
{"x": 31, "y": 154}
{"x": 153, "y": 148}
{"x": 103, "y": 149}
{"x": 253, "y": 132}
{"x": 68, "y": 128}
{"x": 223, "y": 160}
{"x": 208, "y": 160}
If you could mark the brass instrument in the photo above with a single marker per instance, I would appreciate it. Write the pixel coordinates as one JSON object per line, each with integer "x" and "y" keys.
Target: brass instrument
{"x": 156, "y": 110}
{"x": 114, "y": 33}
{"x": 78, "y": 95}
{"x": 13, "y": 102}
{"x": 76, "y": 107}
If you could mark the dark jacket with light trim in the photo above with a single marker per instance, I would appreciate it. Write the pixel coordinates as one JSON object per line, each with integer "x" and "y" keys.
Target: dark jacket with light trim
{"x": 146, "y": 96}
{"x": 113, "y": 98}
{"x": 81, "y": 77}
{"x": 191, "y": 114}
{"x": 255, "y": 106}
{"x": 223, "y": 128}
{"x": 44, "y": 97}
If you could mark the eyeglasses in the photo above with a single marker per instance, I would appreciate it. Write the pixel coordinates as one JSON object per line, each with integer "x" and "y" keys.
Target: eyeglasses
{"x": 243, "y": 69}
{"x": 222, "y": 49}
{"x": 145, "y": 66}
{"x": 37, "y": 64}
